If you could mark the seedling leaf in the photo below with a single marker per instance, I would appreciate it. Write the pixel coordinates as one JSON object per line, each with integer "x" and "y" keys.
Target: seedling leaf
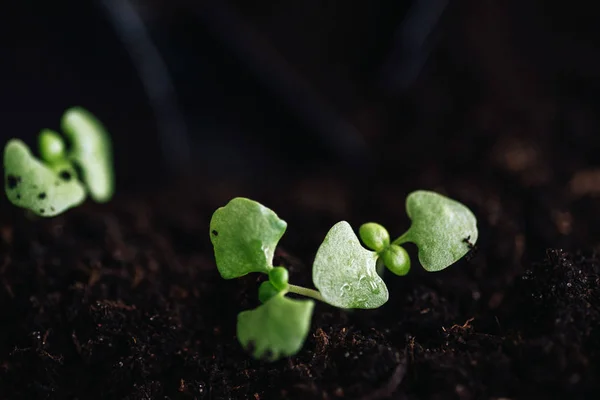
{"x": 279, "y": 277}
{"x": 345, "y": 272}
{"x": 277, "y": 328}
{"x": 30, "y": 184}
{"x": 91, "y": 149}
{"x": 51, "y": 147}
{"x": 374, "y": 236}
{"x": 244, "y": 234}
{"x": 396, "y": 259}
{"x": 266, "y": 291}
{"x": 439, "y": 228}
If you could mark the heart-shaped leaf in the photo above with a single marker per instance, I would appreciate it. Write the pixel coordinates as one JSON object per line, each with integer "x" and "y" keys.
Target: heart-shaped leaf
{"x": 91, "y": 149}
{"x": 244, "y": 234}
{"x": 443, "y": 229}
{"x": 30, "y": 184}
{"x": 276, "y": 329}
{"x": 345, "y": 272}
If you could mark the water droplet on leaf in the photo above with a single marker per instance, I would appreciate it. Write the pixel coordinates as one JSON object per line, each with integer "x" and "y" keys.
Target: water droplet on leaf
{"x": 344, "y": 289}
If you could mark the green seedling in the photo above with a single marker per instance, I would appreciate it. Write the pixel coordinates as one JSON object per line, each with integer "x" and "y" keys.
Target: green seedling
{"x": 245, "y": 234}
{"x": 51, "y": 184}
{"x": 443, "y": 229}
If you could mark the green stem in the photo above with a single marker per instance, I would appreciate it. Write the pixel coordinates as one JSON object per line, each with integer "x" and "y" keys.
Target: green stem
{"x": 380, "y": 267}
{"x": 401, "y": 239}
{"x": 315, "y": 294}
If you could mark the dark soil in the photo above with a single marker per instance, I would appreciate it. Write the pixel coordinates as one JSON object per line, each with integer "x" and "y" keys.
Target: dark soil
{"x": 123, "y": 301}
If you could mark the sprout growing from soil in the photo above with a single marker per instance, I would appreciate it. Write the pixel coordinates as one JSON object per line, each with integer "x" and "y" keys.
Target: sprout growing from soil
{"x": 245, "y": 234}
{"x": 443, "y": 229}
{"x": 63, "y": 175}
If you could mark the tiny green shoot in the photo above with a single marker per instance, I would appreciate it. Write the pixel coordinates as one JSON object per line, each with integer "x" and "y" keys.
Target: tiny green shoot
{"x": 440, "y": 228}
{"x": 49, "y": 185}
{"x": 396, "y": 259}
{"x": 33, "y": 185}
{"x": 245, "y": 234}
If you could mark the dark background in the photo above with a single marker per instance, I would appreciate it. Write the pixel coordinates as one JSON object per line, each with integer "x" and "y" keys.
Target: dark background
{"x": 323, "y": 111}
{"x": 269, "y": 88}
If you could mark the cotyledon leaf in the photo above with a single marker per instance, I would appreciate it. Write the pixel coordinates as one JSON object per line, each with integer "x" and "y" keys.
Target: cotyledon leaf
{"x": 345, "y": 272}
{"x": 277, "y": 328}
{"x": 31, "y": 184}
{"x": 91, "y": 149}
{"x": 244, "y": 234}
{"x": 443, "y": 229}
{"x": 51, "y": 146}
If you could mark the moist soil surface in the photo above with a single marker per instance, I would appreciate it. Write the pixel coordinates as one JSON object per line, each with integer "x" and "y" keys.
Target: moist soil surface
{"x": 123, "y": 300}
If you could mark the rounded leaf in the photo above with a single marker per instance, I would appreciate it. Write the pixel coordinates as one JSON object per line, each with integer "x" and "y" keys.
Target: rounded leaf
{"x": 51, "y": 146}
{"x": 279, "y": 277}
{"x": 31, "y": 184}
{"x": 275, "y": 329}
{"x": 91, "y": 149}
{"x": 244, "y": 235}
{"x": 266, "y": 291}
{"x": 396, "y": 259}
{"x": 374, "y": 236}
{"x": 345, "y": 272}
{"x": 441, "y": 228}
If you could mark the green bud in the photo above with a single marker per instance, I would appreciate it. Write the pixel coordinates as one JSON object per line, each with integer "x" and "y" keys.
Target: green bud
{"x": 279, "y": 277}
{"x": 396, "y": 259}
{"x": 266, "y": 291}
{"x": 51, "y": 146}
{"x": 374, "y": 236}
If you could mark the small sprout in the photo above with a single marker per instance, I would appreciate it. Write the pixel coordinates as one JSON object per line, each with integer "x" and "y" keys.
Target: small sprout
{"x": 279, "y": 277}
{"x": 51, "y": 147}
{"x": 91, "y": 149}
{"x": 51, "y": 184}
{"x": 31, "y": 184}
{"x": 266, "y": 290}
{"x": 439, "y": 225}
{"x": 345, "y": 272}
{"x": 244, "y": 234}
{"x": 396, "y": 259}
{"x": 374, "y": 236}
{"x": 275, "y": 329}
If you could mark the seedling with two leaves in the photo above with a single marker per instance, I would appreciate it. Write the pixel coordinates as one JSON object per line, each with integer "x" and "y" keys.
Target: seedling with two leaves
{"x": 245, "y": 234}
{"x": 65, "y": 174}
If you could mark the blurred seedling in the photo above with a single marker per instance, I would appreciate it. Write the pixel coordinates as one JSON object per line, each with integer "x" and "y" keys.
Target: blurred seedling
{"x": 66, "y": 172}
{"x": 245, "y": 234}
